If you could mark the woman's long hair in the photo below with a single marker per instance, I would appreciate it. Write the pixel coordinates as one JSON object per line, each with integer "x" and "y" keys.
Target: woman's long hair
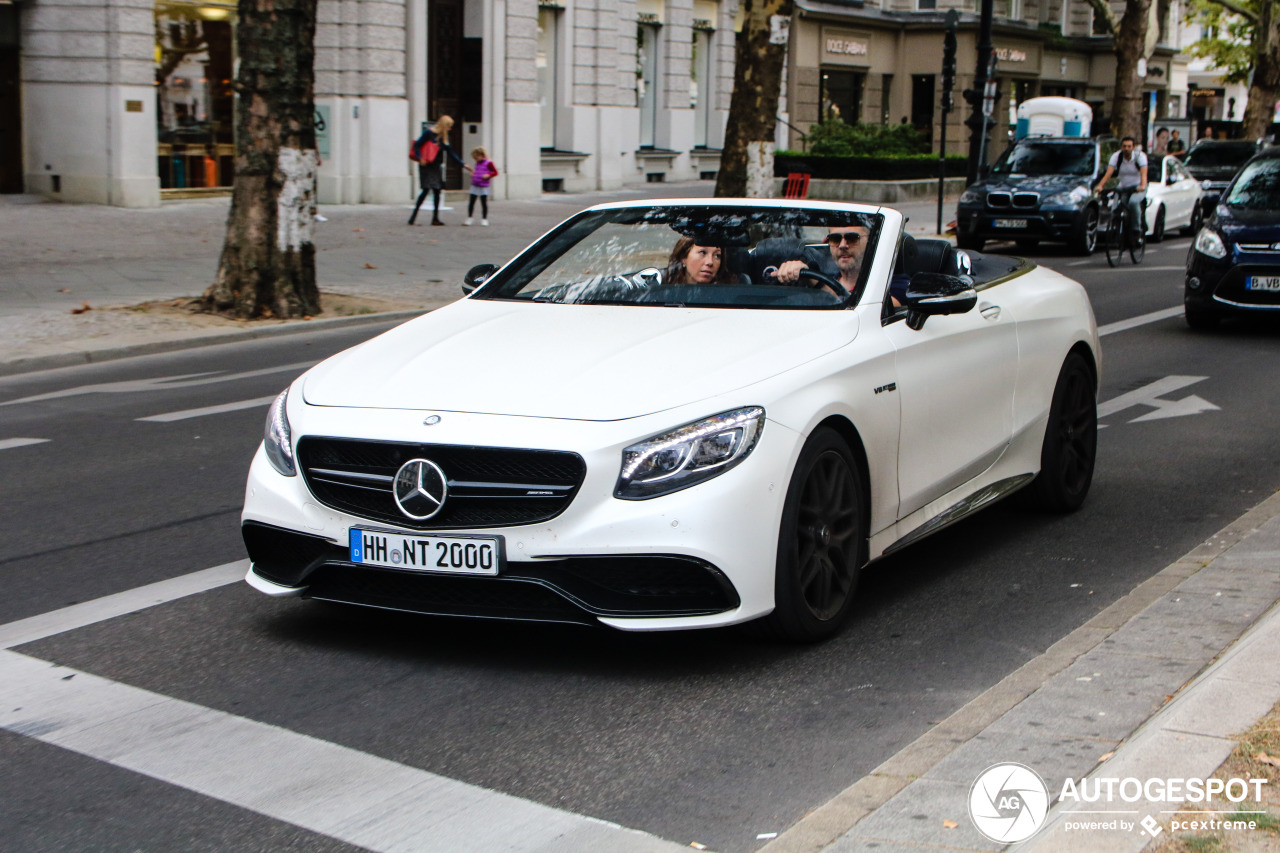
{"x": 676, "y": 272}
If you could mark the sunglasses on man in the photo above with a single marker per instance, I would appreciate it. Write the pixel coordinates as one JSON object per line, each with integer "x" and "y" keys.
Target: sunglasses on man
{"x": 851, "y": 237}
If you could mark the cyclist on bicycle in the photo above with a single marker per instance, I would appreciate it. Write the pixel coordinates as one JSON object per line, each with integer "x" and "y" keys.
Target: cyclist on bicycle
{"x": 1131, "y": 165}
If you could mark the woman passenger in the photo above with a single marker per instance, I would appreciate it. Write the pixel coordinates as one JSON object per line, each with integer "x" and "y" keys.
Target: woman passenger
{"x": 694, "y": 263}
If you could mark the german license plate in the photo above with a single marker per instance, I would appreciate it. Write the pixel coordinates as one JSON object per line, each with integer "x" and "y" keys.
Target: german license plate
{"x": 1263, "y": 282}
{"x": 1010, "y": 223}
{"x": 468, "y": 555}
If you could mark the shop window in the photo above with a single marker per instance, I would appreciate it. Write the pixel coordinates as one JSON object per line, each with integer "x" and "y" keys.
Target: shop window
{"x": 840, "y": 95}
{"x": 926, "y": 5}
{"x": 548, "y": 68}
{"x": 195, "y": 95}
{"x": 922, "y": 102}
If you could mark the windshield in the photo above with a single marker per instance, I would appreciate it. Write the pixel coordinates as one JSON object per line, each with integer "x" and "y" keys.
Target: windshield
{"x": 1257, "y": 187}
{"x": 1215, "y": 156}
{"x": 687, "y": 255}
{"x": 1046, "y": 158}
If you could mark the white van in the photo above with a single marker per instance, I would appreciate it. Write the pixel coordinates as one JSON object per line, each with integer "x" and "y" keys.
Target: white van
{"x": 1053, "y": 116}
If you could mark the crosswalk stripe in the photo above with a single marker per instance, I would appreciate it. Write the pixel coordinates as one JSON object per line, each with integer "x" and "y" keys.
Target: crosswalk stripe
{"x": 9, "y": 443}
{"x": 209, "y": 410}
{"x": 333, "y": 790}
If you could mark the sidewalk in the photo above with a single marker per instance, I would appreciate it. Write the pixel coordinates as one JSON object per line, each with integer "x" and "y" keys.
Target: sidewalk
{"x": 54, "y": 258}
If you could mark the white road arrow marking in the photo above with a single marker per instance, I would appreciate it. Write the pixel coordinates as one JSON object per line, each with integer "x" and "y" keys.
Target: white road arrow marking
{"x": 9, "y": 443}
{"x": 159, "y": 383}
{"x": 1149, "y": 395}
{"x": 169, "y": 417}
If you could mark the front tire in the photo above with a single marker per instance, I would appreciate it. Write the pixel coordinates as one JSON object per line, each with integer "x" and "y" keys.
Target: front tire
{"x": 1197, "y": 218}
{"x": 1070, "y": 446}
{"x": 1157, "y": 230}
{"x": 1084, "y": 234}
{"x": 821, "y": 543}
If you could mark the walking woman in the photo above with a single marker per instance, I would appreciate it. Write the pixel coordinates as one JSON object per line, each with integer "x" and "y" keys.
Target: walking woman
{"x": 433, "y": 145}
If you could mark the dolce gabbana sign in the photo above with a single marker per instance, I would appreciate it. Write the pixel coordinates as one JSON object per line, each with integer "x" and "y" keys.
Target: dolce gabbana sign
{"x": 1009, "y": 54}
{"x": 846, "y": 47}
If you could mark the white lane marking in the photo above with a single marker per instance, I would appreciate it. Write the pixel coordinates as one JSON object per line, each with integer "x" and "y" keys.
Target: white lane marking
{"x": 358, "y": 798}
{"x": 1149, "y": 395}
{"x": 1141, "y": 320}
{"x": 208, "y": 410}
{"x": 10, "y": 443}
{"x": 109, "y": 607}
{"x": 159, "y": 383}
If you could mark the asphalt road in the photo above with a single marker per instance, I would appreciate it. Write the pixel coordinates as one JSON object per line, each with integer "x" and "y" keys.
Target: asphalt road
{"x": 709, "y": 737}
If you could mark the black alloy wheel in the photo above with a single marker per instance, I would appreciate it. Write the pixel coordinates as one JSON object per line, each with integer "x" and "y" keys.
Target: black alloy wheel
{"x": 1070, "y": 446}
{"x": 1084, "y": 235}
{"x": 1157, "y": 230}
{"x": 821, "y": 543}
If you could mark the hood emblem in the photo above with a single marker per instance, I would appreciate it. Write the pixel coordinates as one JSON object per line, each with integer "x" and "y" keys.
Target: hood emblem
{"x": 431, "y": 420}
{"x": 420, "y": 489}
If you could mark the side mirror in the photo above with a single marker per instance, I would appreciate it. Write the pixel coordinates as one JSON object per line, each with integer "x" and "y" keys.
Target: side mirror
{"x": 933, "y": 293}
{"x": 477, "y": 276}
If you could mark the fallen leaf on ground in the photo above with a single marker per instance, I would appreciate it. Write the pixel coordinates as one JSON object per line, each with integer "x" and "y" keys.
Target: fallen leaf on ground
{"x": 949, "y": 824}
{"x": 1263, "y": 758}
{"x": 64, "y": 290}
{"x": 84, "y": 306}
{"x": 370, "y": 267}
{"x": 1105, "y": 756}
{"x": 357, "y": 229}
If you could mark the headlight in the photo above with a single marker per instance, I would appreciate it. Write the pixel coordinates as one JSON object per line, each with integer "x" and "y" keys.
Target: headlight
{"x": 1209, "y": 243}
{"x": 971, "y": 196}
{"x": 1067, "y": 198}
{"x": 688, "y": 455}
{"x": 276, "y": 439}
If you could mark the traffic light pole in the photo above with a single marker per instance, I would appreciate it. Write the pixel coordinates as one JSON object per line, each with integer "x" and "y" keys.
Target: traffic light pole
{"x": 948, "y": 86}
{"x": 978, "y": 120}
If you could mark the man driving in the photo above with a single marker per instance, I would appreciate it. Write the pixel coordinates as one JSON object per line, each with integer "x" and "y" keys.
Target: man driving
{"x": 848, "y": 245}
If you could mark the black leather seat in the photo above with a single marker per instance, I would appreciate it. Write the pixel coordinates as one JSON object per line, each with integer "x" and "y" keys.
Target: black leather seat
{"x": 930, "y": 256}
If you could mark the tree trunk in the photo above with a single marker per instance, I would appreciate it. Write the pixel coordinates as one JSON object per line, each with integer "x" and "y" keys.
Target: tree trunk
{"x": 268, "y": 261}
{"x": 1130, "y": 45}
{"x": 759, "y": 56}
{"x": 1265, "y": 87}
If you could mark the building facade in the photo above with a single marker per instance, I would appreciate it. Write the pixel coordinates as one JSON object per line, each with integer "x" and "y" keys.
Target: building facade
{"x": 125, "y": 102}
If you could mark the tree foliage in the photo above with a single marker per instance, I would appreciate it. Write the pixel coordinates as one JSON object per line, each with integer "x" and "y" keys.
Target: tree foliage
{"x": 1230, "y": 46}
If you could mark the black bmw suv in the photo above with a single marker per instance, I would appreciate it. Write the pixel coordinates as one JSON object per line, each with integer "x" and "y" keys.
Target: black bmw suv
{"x": 1039, "y": 189}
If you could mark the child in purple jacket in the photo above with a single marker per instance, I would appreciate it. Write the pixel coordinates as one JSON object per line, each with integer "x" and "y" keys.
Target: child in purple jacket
{"x": 481, "y": 175}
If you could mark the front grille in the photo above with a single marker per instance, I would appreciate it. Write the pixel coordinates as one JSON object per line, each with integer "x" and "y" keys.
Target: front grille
{"x": 1231, "y": 288}
{"x": 999, "y": 200}
{"x": 1260, "y": 248}
{"x": 488, "y": 486}
{"x": 1026, "y": 200}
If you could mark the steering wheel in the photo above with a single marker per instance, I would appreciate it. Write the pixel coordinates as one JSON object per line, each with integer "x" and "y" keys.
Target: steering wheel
{"x": 821, "y": 279}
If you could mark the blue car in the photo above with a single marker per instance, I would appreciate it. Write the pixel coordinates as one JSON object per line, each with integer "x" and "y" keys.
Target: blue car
{"x": 1233, "y": 268}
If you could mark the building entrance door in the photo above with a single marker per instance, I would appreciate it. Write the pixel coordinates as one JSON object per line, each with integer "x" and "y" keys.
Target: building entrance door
{"x": 444, "y": 76}
{"x": 11, "y": 180}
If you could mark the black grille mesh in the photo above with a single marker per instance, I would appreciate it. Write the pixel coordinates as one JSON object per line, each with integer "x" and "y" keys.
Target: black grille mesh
{"x": 484, "y": 465}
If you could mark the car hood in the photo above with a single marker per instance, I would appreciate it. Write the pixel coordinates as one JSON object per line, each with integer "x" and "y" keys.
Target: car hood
{"x": 1043, "y": 184}
{"x": 579, "y": 362}
{"x": 1248, "y": 226}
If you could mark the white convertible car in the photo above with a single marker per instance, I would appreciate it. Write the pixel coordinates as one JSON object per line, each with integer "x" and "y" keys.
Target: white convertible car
{"x": 636, "y": 423}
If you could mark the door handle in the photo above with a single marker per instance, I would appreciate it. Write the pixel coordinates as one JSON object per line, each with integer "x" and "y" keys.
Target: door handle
{"x": 990, "y": 312}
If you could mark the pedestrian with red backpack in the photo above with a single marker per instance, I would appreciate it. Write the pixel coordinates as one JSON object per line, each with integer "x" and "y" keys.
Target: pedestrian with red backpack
{"x": 429, "y": 151}
{"x": 481, "y": 175}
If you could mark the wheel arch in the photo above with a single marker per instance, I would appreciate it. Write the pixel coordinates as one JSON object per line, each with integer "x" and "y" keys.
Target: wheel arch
{"x": 1086, "y": 352}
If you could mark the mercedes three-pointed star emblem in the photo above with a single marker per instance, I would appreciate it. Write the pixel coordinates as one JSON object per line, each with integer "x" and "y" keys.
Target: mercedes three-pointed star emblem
{"x": 420, "y": 489}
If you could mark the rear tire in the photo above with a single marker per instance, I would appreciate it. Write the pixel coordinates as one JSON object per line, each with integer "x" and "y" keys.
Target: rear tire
{"x": 1113, "y": 240}
{"x": 1084, "y": 234}
{"x": 1070, "y": 446}
{"x": 1137, "y": 244}
{"x": 821, "y": 542}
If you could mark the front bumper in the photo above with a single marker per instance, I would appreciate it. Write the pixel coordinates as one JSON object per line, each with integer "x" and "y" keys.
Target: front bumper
{"x": 700, "y": 557}
{"x": 1041, "y": 224}
{"x": 1221, "y": 285}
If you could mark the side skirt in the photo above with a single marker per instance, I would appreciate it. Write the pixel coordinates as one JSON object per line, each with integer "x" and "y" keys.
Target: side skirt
{"x": 974, "y": 502}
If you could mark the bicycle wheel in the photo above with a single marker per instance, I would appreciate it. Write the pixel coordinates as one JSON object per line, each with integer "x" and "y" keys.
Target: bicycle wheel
{"x": 1112, "y": 239}
{"x": 1137, "y": 244}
